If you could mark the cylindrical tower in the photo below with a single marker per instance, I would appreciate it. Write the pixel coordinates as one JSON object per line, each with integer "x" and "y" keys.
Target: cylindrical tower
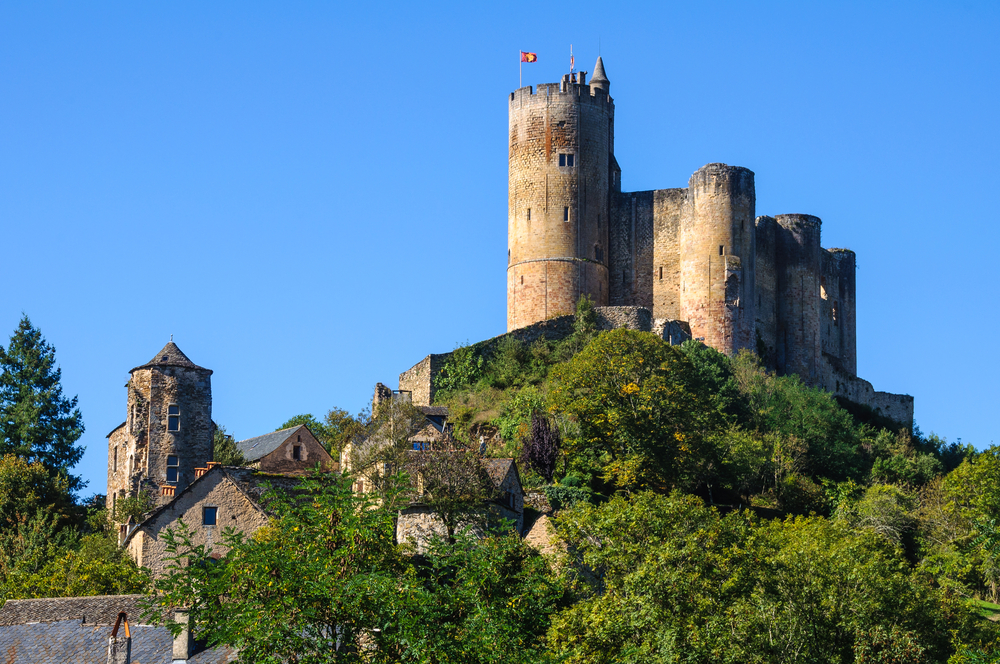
{"x": 797, "y": 254}
{"x": 845, "y": 308}
{"x": 717, "y": 255}
{"x": 561, "y": 142}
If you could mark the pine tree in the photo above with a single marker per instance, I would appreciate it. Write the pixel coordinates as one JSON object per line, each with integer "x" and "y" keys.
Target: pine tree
{"x": 37, "y": 422}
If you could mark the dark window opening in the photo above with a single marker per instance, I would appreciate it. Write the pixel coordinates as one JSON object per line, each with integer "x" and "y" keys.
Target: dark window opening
{"x": 720, "y": 249}
{"x": 565, "y": 214}
{"x": 624, "y": 278}
{"x": 297, "y": 452}
{"x": 421, "y": 446}
{"x": 529, "y": 214}
{"x": 173, "y": 410}
{"x": 522, "y": 279}
{"x": 562, "y": 160}
{"x": 172, "y": 468}
{"x": 173, "y": 418}
{"x": 210, "y": 516}
{"x": 661, "y": 272}
{"x": 569, "y": 160}
{"x": 566, "y": 160}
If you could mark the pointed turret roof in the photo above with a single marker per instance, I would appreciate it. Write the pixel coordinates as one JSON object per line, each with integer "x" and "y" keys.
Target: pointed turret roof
{"x": 171, "y": 356}
{"x": 599, "y": 74}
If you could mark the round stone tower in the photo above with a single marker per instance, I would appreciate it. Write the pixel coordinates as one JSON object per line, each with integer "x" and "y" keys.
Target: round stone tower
{"x": 717, "y": 255}
{"x": 168, "y": 428}
{"x": 797, "y": 258}
{"x": 561, "y": 147}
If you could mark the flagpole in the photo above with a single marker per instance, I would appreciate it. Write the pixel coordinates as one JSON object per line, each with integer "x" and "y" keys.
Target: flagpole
{"x": 520, "y": 66}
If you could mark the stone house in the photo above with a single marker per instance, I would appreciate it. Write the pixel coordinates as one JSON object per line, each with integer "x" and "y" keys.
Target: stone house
{"x": 292, "y": 451}
{"x": 105, "y": 629}
{"x": 220, "y": 497}
{"x": 417, "y": 523}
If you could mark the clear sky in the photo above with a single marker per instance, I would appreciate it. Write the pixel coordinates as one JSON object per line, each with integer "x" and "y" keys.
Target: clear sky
{"x": 312, "y": 196}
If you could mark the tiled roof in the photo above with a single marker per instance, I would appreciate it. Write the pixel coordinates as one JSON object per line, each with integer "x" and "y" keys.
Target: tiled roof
{"x": 73, "y": 642}
{"x": 255, "y": 448}
{"x": 437, "y": 411}
{"x": 171, "y": 356}
{"x": 498, "y": 469}
{"x": 96, "y": 610}
{"x": 76, "y": 629}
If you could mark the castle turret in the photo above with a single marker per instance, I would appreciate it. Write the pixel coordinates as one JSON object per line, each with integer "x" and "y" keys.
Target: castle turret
{"x": 599, "y": 81}
{"x": 798, "y": 263}
{"x": 717, "y": 252}
{"x": 560, "y": 160}
{"x": 168, "y": 429}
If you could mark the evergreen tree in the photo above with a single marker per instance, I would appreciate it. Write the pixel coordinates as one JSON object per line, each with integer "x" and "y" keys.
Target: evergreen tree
{"x": 37, "y": 422}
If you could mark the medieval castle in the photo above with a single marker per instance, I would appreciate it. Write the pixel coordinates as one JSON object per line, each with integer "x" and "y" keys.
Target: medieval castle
{"x": 686, "y": 262}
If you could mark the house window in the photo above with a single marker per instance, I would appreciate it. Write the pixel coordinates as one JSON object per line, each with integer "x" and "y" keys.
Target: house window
{"x": 421, "y": 446}
{"x": 566, "y": 160}
{"x": 297, "y": 452}
{"x": 210, "y": 515}
{"x": 173, "y": 418}
{"x": 562, "y": 160}
{"x": 565, "y": 214}
{"x": 172, "y": 468}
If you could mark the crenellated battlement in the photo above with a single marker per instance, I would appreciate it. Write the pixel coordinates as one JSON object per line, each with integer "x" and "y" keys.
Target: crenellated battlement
{"x": 571, "y": 92}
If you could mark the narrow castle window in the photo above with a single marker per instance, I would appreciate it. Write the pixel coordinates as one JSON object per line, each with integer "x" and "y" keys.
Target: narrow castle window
{"x": 115, "y": 465}
{"x": 721, "y": 249}
{"x": 172, "y": 468}
{"x": 210, "y": 516}
{"x": 565, "y": 214}
{"x": 529, "y": 214}
{"x": 173, "y": 418}
{"x": 522, "y": 279}
{"x": 297, "y": 452}
{"x": 661, "y": 273}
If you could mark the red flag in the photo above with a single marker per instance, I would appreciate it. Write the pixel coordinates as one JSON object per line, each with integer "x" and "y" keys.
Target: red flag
{"x": 529, "y": 57}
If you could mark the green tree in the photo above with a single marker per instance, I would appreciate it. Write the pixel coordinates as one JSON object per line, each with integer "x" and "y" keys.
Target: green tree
{"x": 37, "y": 422}
{"x": 224, "y": 448}
{"x": 641, "y": 407}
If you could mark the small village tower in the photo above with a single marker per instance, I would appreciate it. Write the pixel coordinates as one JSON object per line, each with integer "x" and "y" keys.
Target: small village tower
{"x": 168, "y": 428}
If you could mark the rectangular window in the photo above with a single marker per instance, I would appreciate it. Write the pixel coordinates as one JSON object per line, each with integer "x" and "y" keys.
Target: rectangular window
{"x": 529, "y": 214}
{"x": 173, "y": 418}
{"x": 210, "y": 516}
{"x": 720, "y": 249}
{"x": 661, "y": 272}
{"x": 562, "y": 160}
{"x": 297, "y": 452}
{"x": 569, "y": 160}
{"x": 172, "y": 468}
{"x": 565, "y": 214}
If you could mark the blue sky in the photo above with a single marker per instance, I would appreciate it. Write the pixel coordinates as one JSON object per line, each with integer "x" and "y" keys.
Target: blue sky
{"x": 312, "y": 196}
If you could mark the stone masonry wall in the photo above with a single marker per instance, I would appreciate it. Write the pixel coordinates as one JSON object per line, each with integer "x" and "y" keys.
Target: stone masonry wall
{"x": 717, "y": 257}
{"x": 797, "y": 251}
{"x": 631, "y": 240}
{"x": 214, "y": 490}
{"x": 669, "y": 207}
{"x": 557, "y": 212}
{"x": 282, "y": 459}
{"x": 766, "y": 341}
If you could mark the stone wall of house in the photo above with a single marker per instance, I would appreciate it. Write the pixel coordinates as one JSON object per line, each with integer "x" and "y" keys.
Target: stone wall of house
{"x": 234, "y": 509}
{"x": 282, "y": 459}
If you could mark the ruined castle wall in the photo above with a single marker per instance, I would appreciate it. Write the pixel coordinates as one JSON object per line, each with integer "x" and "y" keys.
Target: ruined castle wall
{"x": 630, "y": 271}
{"x": 419, "y": 379}
{"x": 798, "y": 261}
{"x": 829, "y": 304}
{"x": 766, "y": 341}
{"x": 669, "y": 206}
{"x": 717, "y": 257}
{"x": 558, "y": 200}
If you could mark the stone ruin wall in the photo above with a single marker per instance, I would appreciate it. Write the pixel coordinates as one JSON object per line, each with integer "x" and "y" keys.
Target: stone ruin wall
{"x": 669, "y": 208}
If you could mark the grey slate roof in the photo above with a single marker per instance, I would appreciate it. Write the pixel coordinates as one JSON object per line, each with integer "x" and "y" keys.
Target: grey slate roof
{"x": 498, "y": 469}
{"x": 171, "y": 356}
{"x": 96, "y": 610}
{"x": 255, "y": 448}
{"x": 76, "y": 629}
{"x": 599, "y": 74}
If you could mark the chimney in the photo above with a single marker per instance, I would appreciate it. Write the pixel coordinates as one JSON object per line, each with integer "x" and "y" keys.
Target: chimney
{"x": 198, "y": 472}
{"x": 167, "y": 490}
{"x": 120, "y": 647}
{"x": 183, "y": 641}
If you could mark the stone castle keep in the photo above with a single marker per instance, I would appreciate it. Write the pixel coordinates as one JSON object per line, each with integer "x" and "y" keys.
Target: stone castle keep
{"x": 696, "y": 258}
